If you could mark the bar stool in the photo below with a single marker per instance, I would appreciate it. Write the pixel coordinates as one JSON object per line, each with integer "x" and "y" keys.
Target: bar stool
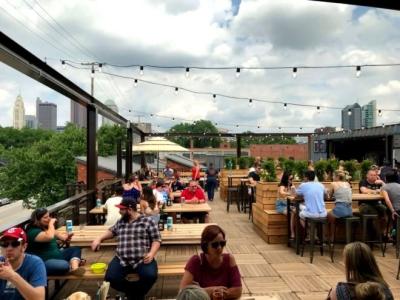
{"x": 348, "y": 221}
{"x": 364, "y": 221}
{"x": 251, "y": 199}
{"x": 319, "y": 224}
{"x": 397, "y": 228}
{"x": 232, "y": 191}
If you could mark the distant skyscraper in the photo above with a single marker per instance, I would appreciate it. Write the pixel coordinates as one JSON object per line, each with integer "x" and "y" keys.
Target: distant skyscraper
{"x": 111, "y": 104}
{"x": 30, "y": 121}
{"x": 46, "y": 115}
{"x": 351, "y": 117}
{"x": 78, "y": 114}
{"x": 369, "y": 114}
{"x": 19, "y": 113}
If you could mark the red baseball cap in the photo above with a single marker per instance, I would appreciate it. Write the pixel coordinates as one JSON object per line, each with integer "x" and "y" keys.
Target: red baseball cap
{"x": 127, "y": 203}
{"x": 15, "y": 233}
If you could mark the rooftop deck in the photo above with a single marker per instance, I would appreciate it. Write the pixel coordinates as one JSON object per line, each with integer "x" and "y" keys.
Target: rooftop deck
{"x": 271, "y": 270}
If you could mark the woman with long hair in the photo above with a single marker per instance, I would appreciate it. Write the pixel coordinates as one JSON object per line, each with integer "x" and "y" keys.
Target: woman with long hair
{"x": 360, "y": 266}
{"x": 42, "y": 241}
{"x": 149, "y": 205}
{"x": 132, "y": 188}
{"x": 285, "y": 189}
{"x": 196, "y": 170}
{"x": 216, "y": 272}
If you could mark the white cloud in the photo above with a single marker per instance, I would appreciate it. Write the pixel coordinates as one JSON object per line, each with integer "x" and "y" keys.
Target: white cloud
{"x": 391, "y": 88}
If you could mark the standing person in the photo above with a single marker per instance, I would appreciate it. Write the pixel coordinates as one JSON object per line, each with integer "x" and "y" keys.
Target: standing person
{"x": 391, "y": 194}
{"x": 313, "y": 194}
{"x": 138, "y": 243}
{"x": 211, "y": 181}
{"x": 196, "y": 170}
{"x": 149, "y": 205}
{"x": 360, "y": 267}
{"x": 132, "y": 188}
{"x": 112, "y": 211}
{"x": 216, "y": 272}
{"x": 340, "y": 189}
{"x": 42, "y": 241}
{"x": 22, "y": 276}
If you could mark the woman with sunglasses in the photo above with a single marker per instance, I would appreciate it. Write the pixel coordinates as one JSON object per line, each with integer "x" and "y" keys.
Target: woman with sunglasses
{"x": 42, "y": 241}
{"x": 216, "y": 272}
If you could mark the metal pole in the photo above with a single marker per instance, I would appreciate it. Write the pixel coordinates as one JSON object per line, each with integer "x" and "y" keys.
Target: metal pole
{"x": 238, "y": 146}
{"x": 119, "y": 159}
{"x": 91, "y": 151}
{"x": 92, "y": 81}
{"x": 142, "y": 156}
{"x": 128, "y": 158}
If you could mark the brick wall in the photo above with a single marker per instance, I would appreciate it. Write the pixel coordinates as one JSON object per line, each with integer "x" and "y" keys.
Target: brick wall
{"x": 298, "y": 151}
{"x": 81, "y": 168}
{"x": 181, "y": 168}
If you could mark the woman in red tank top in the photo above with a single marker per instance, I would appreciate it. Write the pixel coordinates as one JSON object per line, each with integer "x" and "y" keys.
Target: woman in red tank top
{"x": 196, "y": 170}
{"x": 214, "y": 271}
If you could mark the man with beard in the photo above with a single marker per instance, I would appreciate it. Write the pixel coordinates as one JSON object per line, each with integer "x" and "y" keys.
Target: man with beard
{"x": 22, "y": 276}
{"x": 138, "y": 243}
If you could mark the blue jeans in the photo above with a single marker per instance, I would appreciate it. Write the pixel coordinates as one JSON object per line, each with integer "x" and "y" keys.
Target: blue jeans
{"x": 210, "y": 186}
{"x": 61, "y": 266}
{"x": 134, "y": 290}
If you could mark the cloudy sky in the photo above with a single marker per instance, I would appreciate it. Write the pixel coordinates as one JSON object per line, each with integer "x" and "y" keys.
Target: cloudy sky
{"x": 209, "y": 33}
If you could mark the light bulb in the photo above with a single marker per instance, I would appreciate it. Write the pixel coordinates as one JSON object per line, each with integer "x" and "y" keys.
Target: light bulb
{"x": 294, "y": 74}
{"x": 100, "y": 67}
{"x": 379, "y": 112}
{"x": 358, "y": 71}
{"x": 176, "y": 91}
{"x": 141, "y": 72}
{"x": 187, "y": 73}
{"x": 92, "y": 74}
{"x": 135, "y": 82}
{"x": 318, "y": 109}
{"x": 349, "y": 112}
{"x": 285, "y": 106}
{"x": 214, "y": 99}
{"x": 237, "y": 72}
{"x": 250, "y": 102}
{"x": 63, "y": 64}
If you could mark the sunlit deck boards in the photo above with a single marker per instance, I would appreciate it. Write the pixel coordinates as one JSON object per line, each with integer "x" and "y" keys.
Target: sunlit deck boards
{"x": 270, "y": 270}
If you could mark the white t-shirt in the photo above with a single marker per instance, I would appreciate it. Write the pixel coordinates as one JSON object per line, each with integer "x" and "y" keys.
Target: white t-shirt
{"x": 112, "y": 212}
{"x": 159, "y": 196}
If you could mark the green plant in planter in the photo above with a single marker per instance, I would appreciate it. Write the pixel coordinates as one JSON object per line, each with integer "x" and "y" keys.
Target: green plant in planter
{"x": 365, "y": 166}
{"x": 250, "y": 161}
{"x": 300, "y": 168}
{"x": 230, "y": 163}
{"x": 320, "y": 169}
{"x": 351, "y": 167}
{"x": 289, "y": 165}
{"x": 331, "y": 166}
{"x": 243, "y": 162}
{"x": 268, "y": 173}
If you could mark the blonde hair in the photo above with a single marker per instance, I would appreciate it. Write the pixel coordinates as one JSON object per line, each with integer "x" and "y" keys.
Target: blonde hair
{"x": 341, "y": 175}
{"x": 361, "y": 265}
{"x": 370, "y": 291}
{"x": 79, "y": 296}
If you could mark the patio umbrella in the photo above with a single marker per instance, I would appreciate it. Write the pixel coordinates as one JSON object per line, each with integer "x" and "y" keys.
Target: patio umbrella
{"x": 158, "y": 144}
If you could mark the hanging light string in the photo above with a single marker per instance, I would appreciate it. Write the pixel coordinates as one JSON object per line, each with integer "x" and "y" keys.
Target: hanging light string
{"x": 214, "y": 95}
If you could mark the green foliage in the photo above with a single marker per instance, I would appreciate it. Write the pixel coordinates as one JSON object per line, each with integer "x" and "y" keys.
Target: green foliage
{"x": 243, "y": 162}
{"x": 230, "y": 163}
{"x": 247, "y": 141}
{"x": 19, "y": 138}
{"x": 41, "y": 170}
{"x": 201, "y": 126}
{"x": 351, "y": 167}
{"x": 320, "y": 169}
{"x": 108, "y": 137}
{"x": 269, "y": 173}
{"x": 331, "y": 166}
{"x": 365, "y": 166}
{"x": 300, "y": 168}
{"x": 288, "y": 165}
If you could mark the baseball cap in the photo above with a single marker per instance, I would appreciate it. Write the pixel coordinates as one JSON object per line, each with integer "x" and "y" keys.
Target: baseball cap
{"x": 15, "y": 233}
{"x": 127, "y": 203}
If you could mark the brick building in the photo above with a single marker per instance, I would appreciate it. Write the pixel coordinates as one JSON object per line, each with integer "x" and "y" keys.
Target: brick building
{"x": 297, "y": 151}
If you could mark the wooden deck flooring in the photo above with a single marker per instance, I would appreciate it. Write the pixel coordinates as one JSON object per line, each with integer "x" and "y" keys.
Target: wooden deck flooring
{"x": 270, "y": 270}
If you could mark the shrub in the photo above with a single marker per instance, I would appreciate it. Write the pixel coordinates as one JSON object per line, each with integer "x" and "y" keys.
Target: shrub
{"x": 365, "y": 166}
{"x": 269, "y": 173}
{"x": 243, "y": 162}
{"x": 300, "y": 168}
{"x": 320, "y": 168}
{"x": 289, "y": 166}
{"x": 230, "y": 162}
{"x": 331, "y": 166}
{"x": 351, "y": 167}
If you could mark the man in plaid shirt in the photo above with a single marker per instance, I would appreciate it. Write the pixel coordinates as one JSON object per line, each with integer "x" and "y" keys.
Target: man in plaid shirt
{"x": 138, "y": 243}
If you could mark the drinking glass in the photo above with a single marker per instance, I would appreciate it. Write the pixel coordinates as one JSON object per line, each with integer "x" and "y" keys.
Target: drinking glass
{"x": 218, "y": 294}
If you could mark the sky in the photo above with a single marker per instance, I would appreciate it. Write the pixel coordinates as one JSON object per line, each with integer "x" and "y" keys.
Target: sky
{"x": 209, "y": 33}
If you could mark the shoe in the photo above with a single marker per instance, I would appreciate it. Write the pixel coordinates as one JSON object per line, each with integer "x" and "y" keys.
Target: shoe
{"x": 82, "y": 262}
{"x": 78, "y": 271}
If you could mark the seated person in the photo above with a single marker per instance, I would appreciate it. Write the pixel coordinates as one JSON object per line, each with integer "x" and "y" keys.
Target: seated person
{"x": 132, "y": 188}
{"x": 159, "y": 192}
{"x": 313, "y": 194}
{"x": 360, "y": 267}
{"x": 22, "y": 276}
{"x": 149, "y": 206}
{"x": 391, "y": 194}
{"x": 369, "y": 290}
{"x": 112, "y": 211}
{"x": 177, "y": 185}
{"x": 285, "y": 189}
{"x": 168, "y": 172}
{"x": 214, "y": 271}
{"x": 193, "y": 292}
{"x": 194, "y": 194}
{"x": 254, "y": 176}
{"x": 42, "y": 241}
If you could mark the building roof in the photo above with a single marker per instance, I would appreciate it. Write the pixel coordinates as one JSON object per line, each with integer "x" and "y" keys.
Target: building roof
{"x": 109, "y": 164}
{"x": 182, "y": 160}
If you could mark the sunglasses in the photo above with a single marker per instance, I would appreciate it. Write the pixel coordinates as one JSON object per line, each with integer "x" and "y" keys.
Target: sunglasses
{"x": 221, "y": 244}
{"x": 13, "y": 244}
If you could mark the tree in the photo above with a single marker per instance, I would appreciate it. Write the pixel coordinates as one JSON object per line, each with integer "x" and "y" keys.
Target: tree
{"x": 246, "y": 141}
{"x": 17, "y": 138}
{"x": 41, "y": 171}
{"x": 108, "y": 137}
{"x": 201, "y": 126}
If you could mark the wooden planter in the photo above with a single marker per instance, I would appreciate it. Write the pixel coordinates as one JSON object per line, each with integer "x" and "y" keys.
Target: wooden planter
{"x": 223, "y": 180}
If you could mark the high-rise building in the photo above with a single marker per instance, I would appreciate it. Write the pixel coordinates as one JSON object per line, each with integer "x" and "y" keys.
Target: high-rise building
{"x": 111, "y": 104}
{"x": 351, "y": 117}
{"x": 369, "y": 114}
{"x": 78, "y": 114}
{"x": 46, "y": 115}
{"x": 19, "y": 113}
{"x": 30, "y": 121}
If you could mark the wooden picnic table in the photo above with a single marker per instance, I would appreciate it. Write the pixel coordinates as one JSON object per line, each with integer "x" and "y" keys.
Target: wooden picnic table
{"x": 187, "y": 207}
{"x": 181, "y": 234}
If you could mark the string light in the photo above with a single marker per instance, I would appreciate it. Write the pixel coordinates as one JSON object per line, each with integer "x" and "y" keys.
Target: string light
{"x": 187, "y": 73}
{"x": 250, "y": 102}
{"x": 92, "y": 73}
{"x": 318, "y": 109}
{"x": 285, "y": 106}
{"x": 135, "y": 83}
{"x": 358, "y": 71}
{"x": 294, "y": 73}
{"x": 63, "y": 64}
{"x": 237, "y": 72}
{"x": 380, "y": 112}
{"x": 141, "y": 71}
{"x": 100, "y": 67}
{"x": 176, "y": 90}
{"x": 349, "y": 112}
{"x": 214, "y": 99}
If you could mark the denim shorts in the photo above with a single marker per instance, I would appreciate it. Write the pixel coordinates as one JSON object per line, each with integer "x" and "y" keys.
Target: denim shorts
{"x": 342, "y": 209}
{"x": 280, "y": 206}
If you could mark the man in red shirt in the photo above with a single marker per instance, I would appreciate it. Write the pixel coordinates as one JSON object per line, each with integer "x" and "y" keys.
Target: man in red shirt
{"x": 194, "y": 194}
